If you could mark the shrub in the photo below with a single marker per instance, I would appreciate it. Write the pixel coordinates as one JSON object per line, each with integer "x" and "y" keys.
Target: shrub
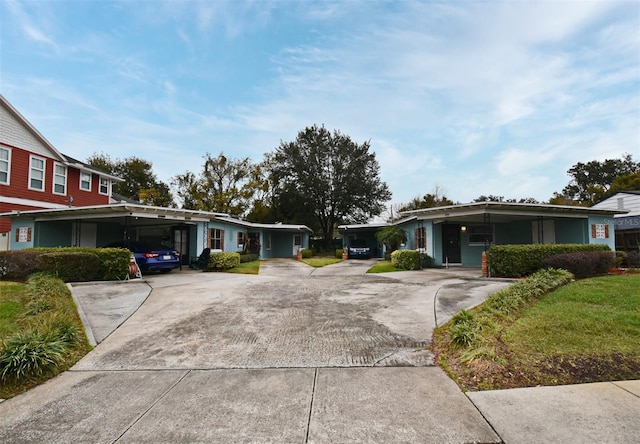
{"x": 406, "y": 259}
{"x": 70, "y": 266}
{"x": 114, "y": 263}
{"x": 582, "y": 264}
{"x": 523, "y": 260}
{"x": 248, "y": 257}
{"x": 18, "y": 265}
{"x": 426, "y": 261}
{"x": 223, "y": 261}
{"x": 633, "y": 259}
{"x": 306, "y": 253}
{"x": 339, "y": 253}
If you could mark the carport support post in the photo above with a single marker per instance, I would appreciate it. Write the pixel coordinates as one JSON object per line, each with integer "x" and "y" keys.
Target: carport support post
{"x": 485, "y": 268}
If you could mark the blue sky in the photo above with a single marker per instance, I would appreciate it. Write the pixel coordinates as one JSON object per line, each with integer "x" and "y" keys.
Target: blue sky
{"x": 473, "y": 97}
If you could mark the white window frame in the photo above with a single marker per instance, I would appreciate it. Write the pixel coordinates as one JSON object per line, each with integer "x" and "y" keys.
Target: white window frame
{"x": 104, "y": 182}
{"x": 32, "y": 169}
{"x": 56, "y": 175}
{"x": 84, "y": 174}
{"x": 7, "y": 169}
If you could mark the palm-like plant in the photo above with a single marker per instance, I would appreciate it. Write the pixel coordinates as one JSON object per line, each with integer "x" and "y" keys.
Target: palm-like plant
{"x": 391, "y": 236}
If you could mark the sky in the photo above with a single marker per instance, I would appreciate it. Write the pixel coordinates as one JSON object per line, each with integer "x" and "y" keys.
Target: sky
{"x": 468, "y": 97}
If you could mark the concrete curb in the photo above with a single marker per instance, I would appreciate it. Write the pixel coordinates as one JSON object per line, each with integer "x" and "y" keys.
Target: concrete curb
{"x": 83, "y": 317}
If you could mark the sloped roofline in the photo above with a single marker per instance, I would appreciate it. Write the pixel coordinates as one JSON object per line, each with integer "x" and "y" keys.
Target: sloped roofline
{"x": 67, "y": 160}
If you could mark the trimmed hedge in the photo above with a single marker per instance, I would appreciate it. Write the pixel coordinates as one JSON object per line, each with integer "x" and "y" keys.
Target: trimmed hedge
{"x": 524, "y": 260}
{"x": 306, "y": 253}
{"x": 223, "y": 261}
{"x": 583, "y": 264}
{"x": 70, "y": 266}
{"x": 248, "y": 257}
{"x": 406, "y": 259}
{"x": 112, "y": 263}
{"x": 339, "y": 253}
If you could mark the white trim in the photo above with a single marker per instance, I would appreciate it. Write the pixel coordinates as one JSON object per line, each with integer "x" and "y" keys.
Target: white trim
{"x": 108, "y": 192}
{"x": 85, "y": 173}
{"x": 44, "y": 170}
{"x": 8, "y": 150}
{"x": 66, "y": 173}
{"x": 30, "y": 203}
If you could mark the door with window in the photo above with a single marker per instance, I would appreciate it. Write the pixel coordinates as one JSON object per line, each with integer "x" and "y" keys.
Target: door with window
{"x": 181, "y": 243}
{"x": 451, "y": 244}
{"x": 297, "y": 243}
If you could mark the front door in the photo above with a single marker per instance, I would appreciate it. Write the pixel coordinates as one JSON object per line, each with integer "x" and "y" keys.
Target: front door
{"x": 297, "y": 243}
{"x": 451, "y": 244}
{"x": 181, "y": 243}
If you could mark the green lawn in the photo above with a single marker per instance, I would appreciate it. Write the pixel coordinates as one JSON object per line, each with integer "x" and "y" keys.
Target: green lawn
{"x": 383, "y": 267}
{"x": 318, "y": 262}
{"x": 252, "y": 267}
{"x": 585, "y": 331}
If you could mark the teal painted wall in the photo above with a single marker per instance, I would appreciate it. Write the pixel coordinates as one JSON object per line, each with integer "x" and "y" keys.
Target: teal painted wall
{"x": 20, "y": 223}
{"x": 53, "y": 234}
{"x": 610, "y": 241}
{"x": 571, "y": 231}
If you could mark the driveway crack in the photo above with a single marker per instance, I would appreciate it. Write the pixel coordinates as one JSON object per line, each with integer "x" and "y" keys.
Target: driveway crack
{"x": 153, "y": 404}
{"x": 313, "y": 394}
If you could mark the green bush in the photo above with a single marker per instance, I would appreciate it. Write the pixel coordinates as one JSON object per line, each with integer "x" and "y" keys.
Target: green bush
{"x": 114, "y": 263}
{"x": 306, "y": 253}
{"x": 426, "y": 261}
{"x": 70, "y": 266}
{"x": 223, "y": 261}
{"x": 248, "y": 257}
{"x": 406, "y": 259}
{"x": 523, "y": 260}
{"x": 18, "y": 265}
{"x": 339, "y": 253}
{"x": 583, "y": 264}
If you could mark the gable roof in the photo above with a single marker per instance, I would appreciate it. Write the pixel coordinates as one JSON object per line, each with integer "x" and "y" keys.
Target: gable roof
{"x": 55, "y": 154}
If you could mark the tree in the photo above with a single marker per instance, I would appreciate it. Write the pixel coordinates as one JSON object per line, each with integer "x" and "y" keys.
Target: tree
{"x": 329, "y": 177}
{"x": 391, "y": 236}
{"x": 591, "y": 181}
{"x": 434, "y": 199}
{"x": 492, "y": 198}
{"x": 627, "y": 182}
{"x": 225, "y": 185}
{"x": 140, "y": 183}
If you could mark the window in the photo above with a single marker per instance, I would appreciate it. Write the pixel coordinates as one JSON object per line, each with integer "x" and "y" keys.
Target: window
{"x": 241, "y": 240}
{"x": 85, "y": 181}
{"x": 59, "y": 179}
{"x": 5, "y": 164}
{"x": 104, "y": 186}
{"x": 480, "y": 234}
{"x": 600, "y": 231}
{"x": 267, "y": 241}
{"x": 421, "y": 239}
{"x": 36, "y": 173}
{"x": 216, "y": 239}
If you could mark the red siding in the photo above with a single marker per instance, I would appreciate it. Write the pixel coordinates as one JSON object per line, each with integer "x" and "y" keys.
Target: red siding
{"x": 19, "y": 187}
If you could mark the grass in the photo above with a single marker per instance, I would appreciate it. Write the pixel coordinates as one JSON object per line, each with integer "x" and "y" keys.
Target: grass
{"x": 252, "y": 267}
{"x": 318, "y": 262}
{"x": 585, "y": 331}
{"x": 383, "y": 267}
{"x": 41, "y": 333}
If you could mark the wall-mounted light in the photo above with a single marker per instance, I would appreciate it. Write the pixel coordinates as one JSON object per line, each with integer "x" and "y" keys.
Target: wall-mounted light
{"x": 463, "y": 228}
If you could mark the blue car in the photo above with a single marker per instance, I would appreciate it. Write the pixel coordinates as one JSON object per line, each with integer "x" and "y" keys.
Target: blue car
{"x": 159, "y": 258}
{"x": 358, "y": 250}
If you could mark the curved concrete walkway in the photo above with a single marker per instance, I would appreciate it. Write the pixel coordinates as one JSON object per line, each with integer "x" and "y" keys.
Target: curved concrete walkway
{"x": 294, "y": 354}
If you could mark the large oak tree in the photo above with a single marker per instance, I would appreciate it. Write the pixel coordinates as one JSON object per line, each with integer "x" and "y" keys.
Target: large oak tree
{"x": 329, "y": 177}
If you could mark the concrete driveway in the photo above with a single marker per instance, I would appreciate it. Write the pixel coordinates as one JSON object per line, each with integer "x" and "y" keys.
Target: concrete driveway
{"x": 294, "y": 354}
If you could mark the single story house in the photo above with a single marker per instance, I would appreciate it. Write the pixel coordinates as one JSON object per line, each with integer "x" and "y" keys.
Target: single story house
{"x": 458, "y": 234}
{"x": 187, "y": 231}
{"x": 627, "y": 225}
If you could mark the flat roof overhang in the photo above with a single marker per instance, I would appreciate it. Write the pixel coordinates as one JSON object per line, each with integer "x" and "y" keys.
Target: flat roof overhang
{"x": 505, "y": 212}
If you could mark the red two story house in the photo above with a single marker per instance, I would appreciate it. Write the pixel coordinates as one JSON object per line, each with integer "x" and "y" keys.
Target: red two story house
{"x": 35, "y": 175}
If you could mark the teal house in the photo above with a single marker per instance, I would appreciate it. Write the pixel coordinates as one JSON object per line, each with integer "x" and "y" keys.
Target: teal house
{"x": 458, "y": 234}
